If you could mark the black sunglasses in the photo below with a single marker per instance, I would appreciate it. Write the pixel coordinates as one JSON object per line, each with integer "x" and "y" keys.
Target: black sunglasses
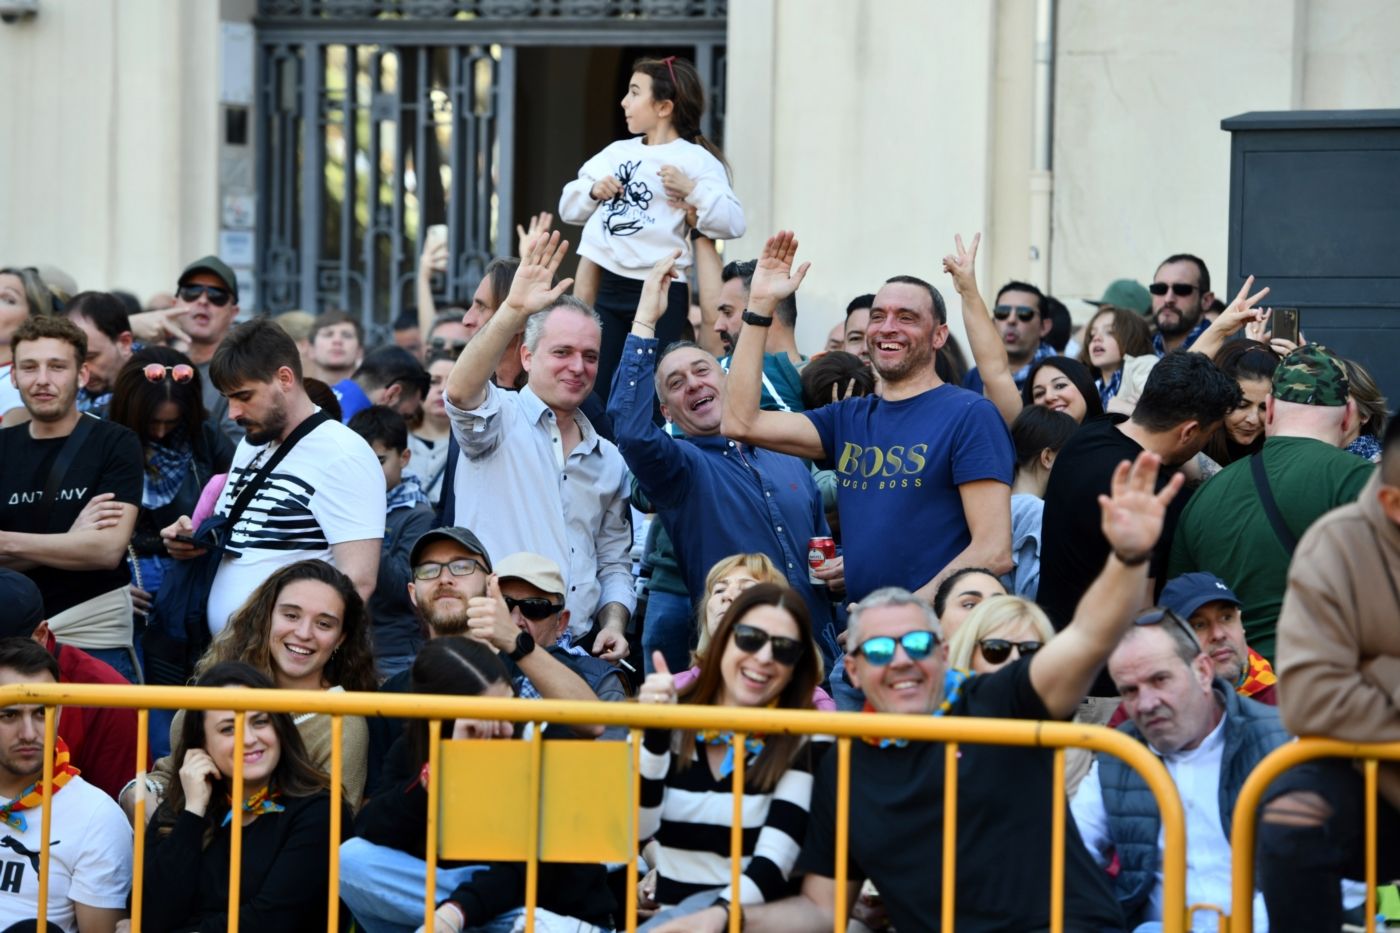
{"x": 996, "y": 650}
{"x": 1024, "y": 313}
{"x": 442, "y": 348}
{"x": 218, "y": 297}
{"x": 534, "y": 608}
{"x": 1179, "y": 289}
{"x": 750, "y": 639}
{"x": 1158, "y": 616}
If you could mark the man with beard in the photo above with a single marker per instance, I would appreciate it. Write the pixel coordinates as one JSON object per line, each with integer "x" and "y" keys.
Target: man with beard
{"x": 206, "y": 303}
{"x": 782, "y": 386}
{"x": 55, "y": 465}
{"x": 924, "y": 457}
{"x": 324, "y": 500}
{"x": 1180, "y": 294}
{"x": 102, "y": 318}
{"x": 456, "y": 592}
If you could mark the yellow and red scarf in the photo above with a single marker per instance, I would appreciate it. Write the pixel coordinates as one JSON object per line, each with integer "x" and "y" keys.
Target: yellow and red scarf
{"x": 1258, "y": 675}
{"x": 34, "y": 795}
{"x": 264, "y": 801}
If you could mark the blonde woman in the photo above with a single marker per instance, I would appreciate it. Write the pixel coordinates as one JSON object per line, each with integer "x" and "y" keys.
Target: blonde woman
{"x": 999, "y": 631}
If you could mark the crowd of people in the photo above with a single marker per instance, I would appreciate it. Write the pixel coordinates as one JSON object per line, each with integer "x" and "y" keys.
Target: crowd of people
{"x": 634, "y": 485}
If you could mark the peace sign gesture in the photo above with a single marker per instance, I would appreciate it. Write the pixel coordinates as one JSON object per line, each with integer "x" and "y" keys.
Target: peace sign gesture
{"x": 961, "y": 266}
{"x": 531, "y": 289}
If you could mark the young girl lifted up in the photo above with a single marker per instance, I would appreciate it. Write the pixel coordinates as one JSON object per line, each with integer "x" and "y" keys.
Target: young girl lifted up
{"x": 633, "y": 198}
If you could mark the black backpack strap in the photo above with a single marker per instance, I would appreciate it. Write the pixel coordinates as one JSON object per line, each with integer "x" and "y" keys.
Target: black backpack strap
{"x": 1266, "y": 496}
{"x": 245, "y": 496}
{"x": 60, "y": 468}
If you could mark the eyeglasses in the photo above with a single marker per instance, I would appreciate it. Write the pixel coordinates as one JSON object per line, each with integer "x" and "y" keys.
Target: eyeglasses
{"x": 431, "y": 569}
{"x": 996, "y": 650}
{"x": 1158, "y": 616}
{"x": 534, "y": 608}
{"x": 442, "y": 348}
{"x": 880, "y": 649}
{"x": 1179, "y": 289}
{"x": 180, "y": 372}
{"x": 1024, "y": 313}
{"x": 750, "y": 639}
{"x": 218, "y": 297}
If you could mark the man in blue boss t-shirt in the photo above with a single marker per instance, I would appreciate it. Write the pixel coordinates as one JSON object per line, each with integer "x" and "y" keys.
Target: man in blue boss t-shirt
{"x": 924, "y": 468}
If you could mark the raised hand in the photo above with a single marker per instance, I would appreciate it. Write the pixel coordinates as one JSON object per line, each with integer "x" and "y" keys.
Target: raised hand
{"x": 159, "y": 327}
{"x": 531, "y": 290}
{"x": 1241, "y": 312}
{"x": 962, "y": 264}
{"x": 660, "y": 685}
{"x": 489, "y": 620}
{"x": 652, "y": 305}
{"x": 1133, "y": 514}
{"x": 773, "y": 278}
{"x": 540, "y": 224}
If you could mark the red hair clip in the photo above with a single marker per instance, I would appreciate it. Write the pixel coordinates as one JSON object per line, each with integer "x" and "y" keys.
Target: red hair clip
{"x": 667, "y": 61}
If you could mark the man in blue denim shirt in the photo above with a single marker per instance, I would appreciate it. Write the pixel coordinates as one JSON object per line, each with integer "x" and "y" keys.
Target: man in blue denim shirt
{"x": 717, "y": 497}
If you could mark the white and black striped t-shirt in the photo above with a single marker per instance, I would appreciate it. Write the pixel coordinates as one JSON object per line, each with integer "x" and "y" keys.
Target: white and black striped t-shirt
{"x": 327, "y": 490}
{"x": 689, "y": 812}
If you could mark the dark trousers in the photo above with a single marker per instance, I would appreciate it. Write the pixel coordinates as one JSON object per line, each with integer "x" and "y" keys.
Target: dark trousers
{"x": 617, "y": 306}
{"x": 1300, "y": 868}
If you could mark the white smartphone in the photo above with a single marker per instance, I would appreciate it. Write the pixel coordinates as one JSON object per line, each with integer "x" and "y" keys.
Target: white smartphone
{"x": 435, "y": 236}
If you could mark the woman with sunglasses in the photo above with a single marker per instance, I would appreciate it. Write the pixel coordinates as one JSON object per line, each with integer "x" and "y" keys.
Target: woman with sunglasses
{"x": 304, "y": 628}
{"x": 762, "y": 655}
{"x": 998, "y": 632}
{"x": 158, "y": 394}
{"x": 723, "y": 584}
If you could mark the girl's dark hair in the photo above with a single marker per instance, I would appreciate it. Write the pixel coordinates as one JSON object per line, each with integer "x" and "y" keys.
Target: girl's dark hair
{"x": 675, "y": 79}
{"x": 246, "y": 637}
{"x": 837, "y": 368}
{"x": 1240, "y": 360}
{"x": 779, "y": 750}
{"x": 945, "y": 589}
{"x": 1037, "y": 429}
{"x": 1077, "y": 373}
{"x": 294, "y": 776}
{"x": 135, "y": 398}
{"x": 455, "y": 666}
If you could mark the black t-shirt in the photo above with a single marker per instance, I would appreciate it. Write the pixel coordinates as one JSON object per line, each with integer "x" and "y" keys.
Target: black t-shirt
{"x": 109, "y": 461}
{"x": 1004, "y": 794}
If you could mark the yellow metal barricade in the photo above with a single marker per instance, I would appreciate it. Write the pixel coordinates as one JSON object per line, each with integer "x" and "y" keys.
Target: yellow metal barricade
{"x": 1242, "y": 832}
{"x": 546, "y": 825}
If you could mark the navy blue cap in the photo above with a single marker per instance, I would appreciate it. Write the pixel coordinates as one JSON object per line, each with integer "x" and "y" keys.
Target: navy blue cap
{"x": 24, "y": 604}
{"x": 1190, "y": 591}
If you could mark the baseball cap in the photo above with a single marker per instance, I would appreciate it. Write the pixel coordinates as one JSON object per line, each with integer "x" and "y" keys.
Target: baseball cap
{"x": 535, "y": 569}
{"x": 1190, "y": 591}
{"x": 450, "y": 533}
{"x": 24, "y": 604}
{"x": 1126, "y": 293}
{"x": 215, "y": 265}
{"x": 1311, "y": 375}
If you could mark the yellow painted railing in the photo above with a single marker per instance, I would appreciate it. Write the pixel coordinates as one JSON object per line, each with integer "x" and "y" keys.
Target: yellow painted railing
{"x": 843, "y": 726}
{"x": 1242, "y": 832}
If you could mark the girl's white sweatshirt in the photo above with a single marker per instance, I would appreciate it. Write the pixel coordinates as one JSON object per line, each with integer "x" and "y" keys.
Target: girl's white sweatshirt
{"x": 628, "y": 234}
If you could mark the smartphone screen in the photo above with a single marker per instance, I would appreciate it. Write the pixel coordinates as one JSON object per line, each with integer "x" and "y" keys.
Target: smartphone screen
{"x": 1286, "y": 324}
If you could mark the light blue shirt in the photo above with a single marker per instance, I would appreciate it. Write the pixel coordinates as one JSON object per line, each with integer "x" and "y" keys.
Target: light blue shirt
{"x": 1024, "y": 578}
{"x": 517, "y": 492}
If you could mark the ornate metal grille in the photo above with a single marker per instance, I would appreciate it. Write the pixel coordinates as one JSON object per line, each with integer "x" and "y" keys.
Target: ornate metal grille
{"x": 379, "y": 118}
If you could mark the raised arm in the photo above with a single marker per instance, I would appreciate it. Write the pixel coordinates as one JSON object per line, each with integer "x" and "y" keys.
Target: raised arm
{"x": 530, "y": 291}
{"x": 1238, "y": 315}
{"x": 708, "y": 281}
{"x": 1132, "y": 518}
{"x": 783, "y": 431}
{"x": 434, "y": 258}
{"x": 988, "y": 349}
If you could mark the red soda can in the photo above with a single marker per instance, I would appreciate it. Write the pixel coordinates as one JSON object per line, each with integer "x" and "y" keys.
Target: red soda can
{"x": 819, "y": 551}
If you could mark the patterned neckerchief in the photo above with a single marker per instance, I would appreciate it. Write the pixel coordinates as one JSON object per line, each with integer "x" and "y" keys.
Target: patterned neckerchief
{"x": 953, "y": 682}
{"x": 34, "y": 795}
{"x": 264, "y": 801}
{"x": 753, "y": 744}
{"x": 1159, "y": 343}
{"x": 1107, "y": 390}
{"x": 406, "y": 494}
{"x": 1258, "y": 675}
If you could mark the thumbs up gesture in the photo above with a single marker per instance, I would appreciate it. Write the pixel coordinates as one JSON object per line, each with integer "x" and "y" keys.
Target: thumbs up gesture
{"x": 660, "y": 685}
{"x": 489, "y": 620}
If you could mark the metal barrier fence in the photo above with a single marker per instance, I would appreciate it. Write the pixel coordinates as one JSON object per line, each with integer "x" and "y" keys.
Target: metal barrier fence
{"x": 1242, "y": 832}
{"x": 536, "y": 846}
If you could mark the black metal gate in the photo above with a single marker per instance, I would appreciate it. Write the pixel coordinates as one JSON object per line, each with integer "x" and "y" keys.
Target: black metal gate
{"x": 377, "y": 119}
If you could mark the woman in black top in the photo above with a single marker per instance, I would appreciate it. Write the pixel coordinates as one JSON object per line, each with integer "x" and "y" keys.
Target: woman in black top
{"x": 286, "y": 825}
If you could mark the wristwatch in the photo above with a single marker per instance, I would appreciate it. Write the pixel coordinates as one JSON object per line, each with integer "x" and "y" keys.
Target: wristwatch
{"x": 757, "y": 320}
{"x": 524, "y": 644}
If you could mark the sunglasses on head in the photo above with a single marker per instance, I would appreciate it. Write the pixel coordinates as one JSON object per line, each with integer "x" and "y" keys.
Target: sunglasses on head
{"x": 218, "y": 297}
{"x": 1023, "y": 313}
{"x": 996, "y": 650}
{"x": 1179, "y": 289}
{"x": 750, "y": 639}
{"x": 880, "y": 649}
{"x": 431, "y": 569}
{"x": 180, "y": 372}
{"x": 534, "y": 608}
{"x": 1160, "y": 616}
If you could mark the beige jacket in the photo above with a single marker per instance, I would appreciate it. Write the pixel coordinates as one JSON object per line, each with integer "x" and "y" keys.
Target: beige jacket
{"x": 1339, "y": 631}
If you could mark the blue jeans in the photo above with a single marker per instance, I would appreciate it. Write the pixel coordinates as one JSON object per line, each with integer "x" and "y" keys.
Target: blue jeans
{"x": 390, "y": 666}
{"x": 383, "y": 888}
{"x": 669, "y": 623}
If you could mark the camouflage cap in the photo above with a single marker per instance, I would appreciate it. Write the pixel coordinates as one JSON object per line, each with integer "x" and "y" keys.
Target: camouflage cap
{"x": 1311, "y": 375}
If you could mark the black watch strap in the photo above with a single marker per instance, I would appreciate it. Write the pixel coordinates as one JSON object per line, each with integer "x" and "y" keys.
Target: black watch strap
{"x": 757, "y": 320}
{"x": 524, "y": 644}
